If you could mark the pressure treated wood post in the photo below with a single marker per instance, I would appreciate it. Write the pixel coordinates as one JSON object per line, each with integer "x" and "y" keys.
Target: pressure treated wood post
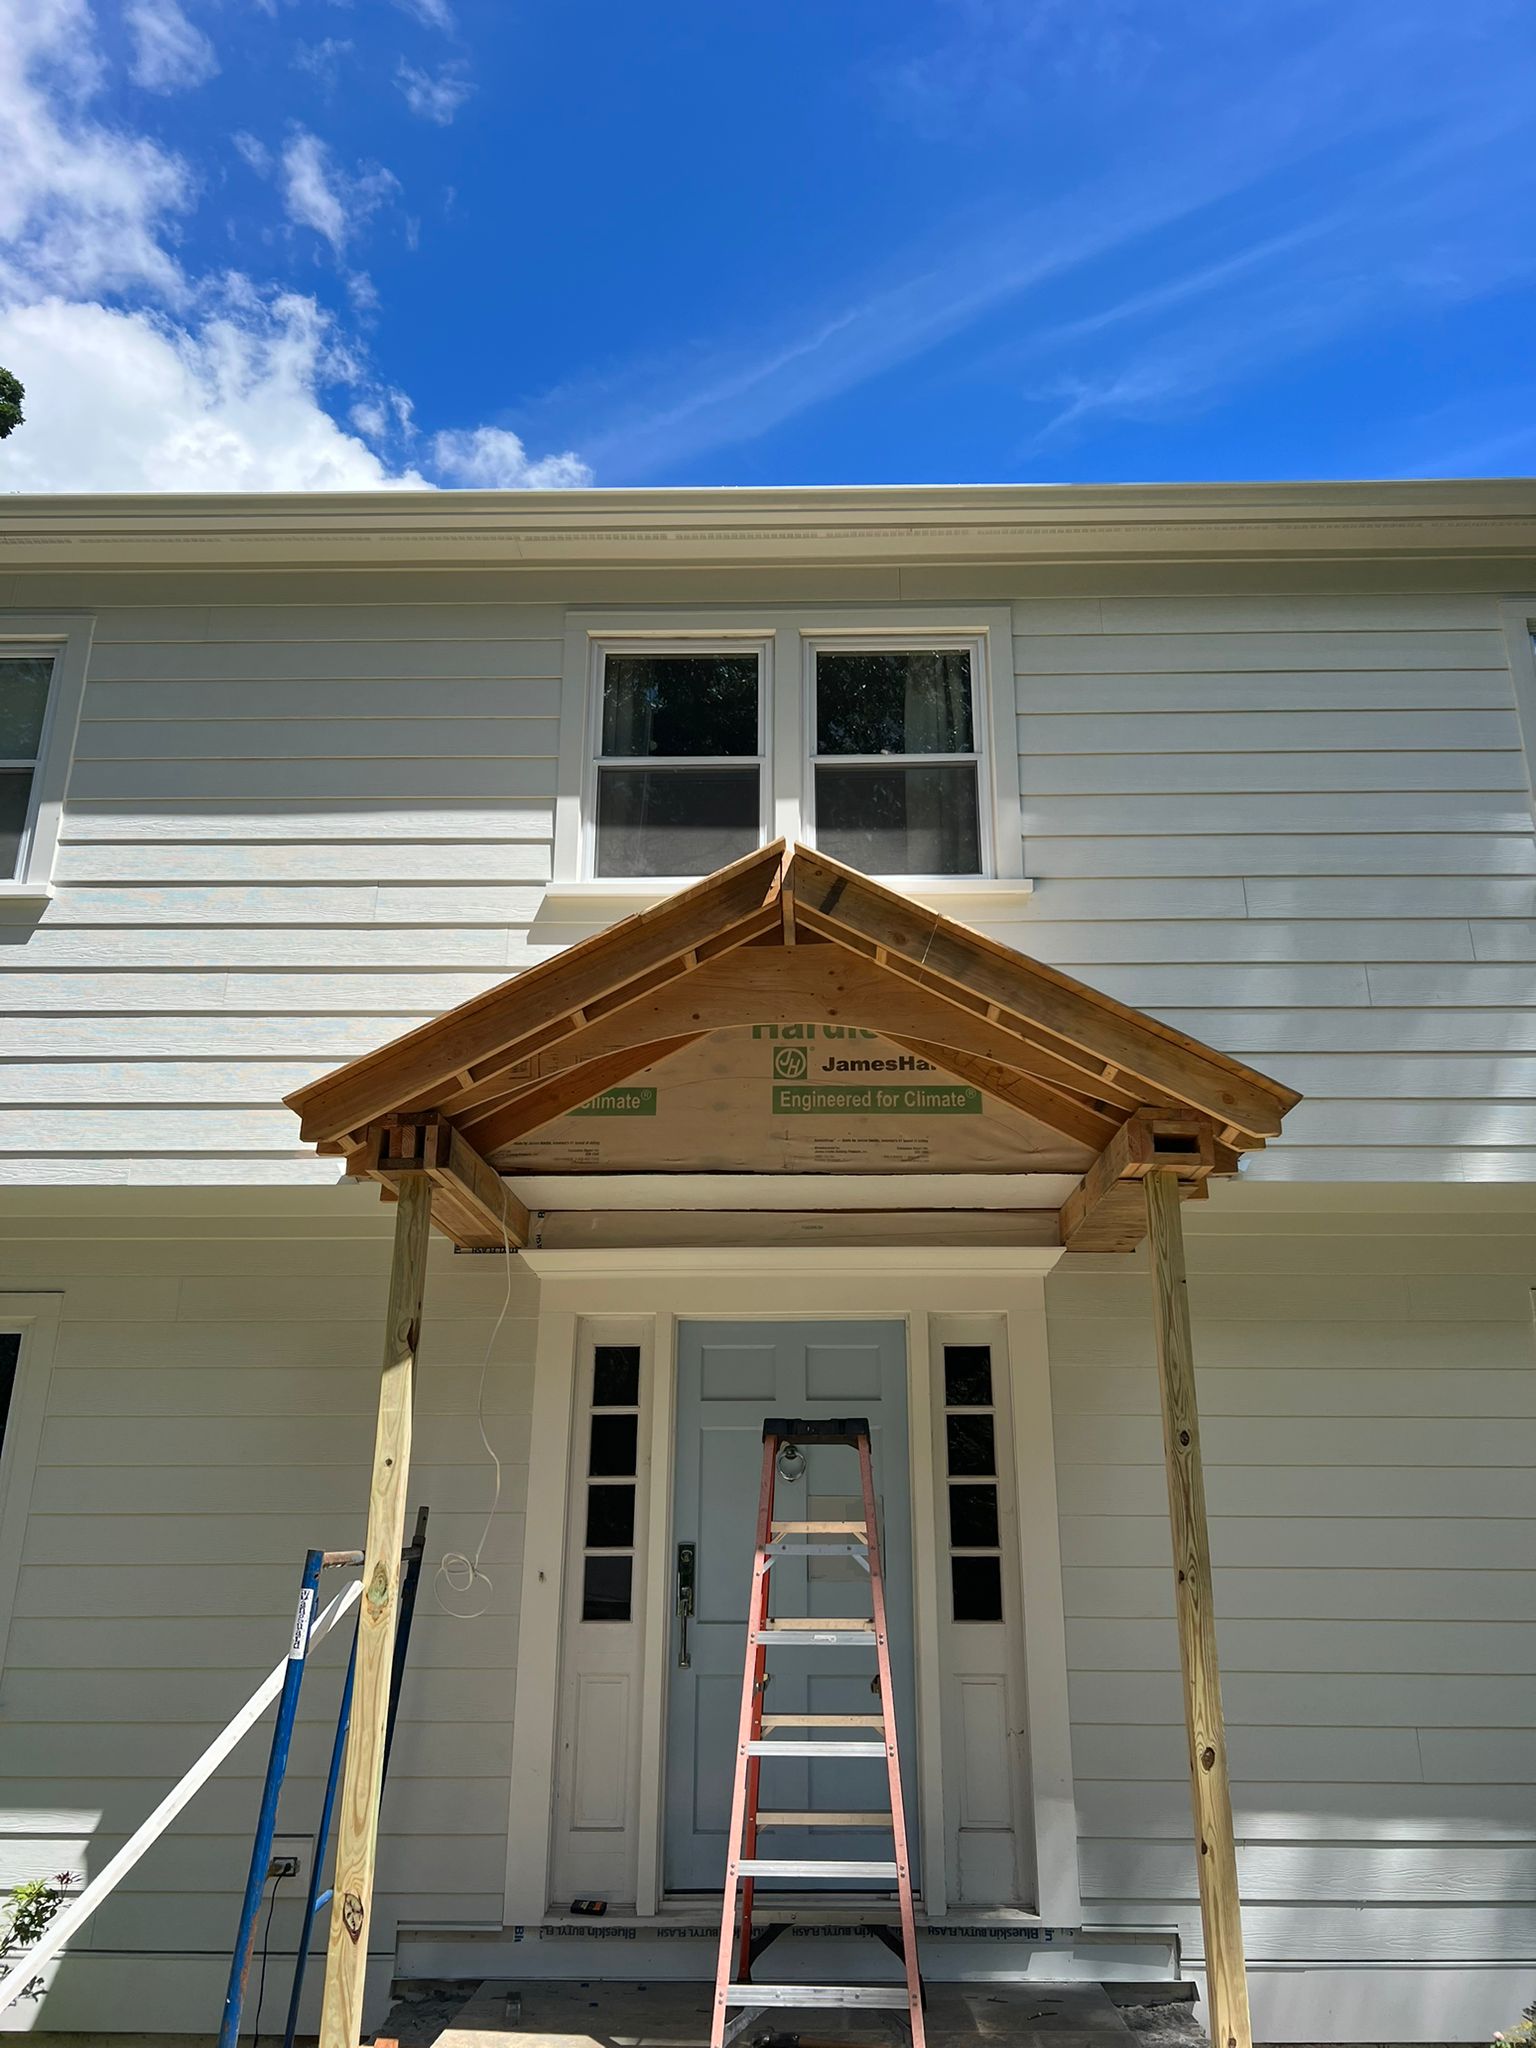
{"x": 357, "y": 1831}
{"x": 1226, "y": 1977}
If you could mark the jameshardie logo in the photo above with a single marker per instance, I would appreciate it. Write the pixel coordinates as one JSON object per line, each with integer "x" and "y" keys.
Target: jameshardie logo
{"x": 790, "y": 1063}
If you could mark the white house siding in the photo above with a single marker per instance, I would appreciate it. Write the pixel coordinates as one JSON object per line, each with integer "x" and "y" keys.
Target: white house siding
{"x": 1367, "y": 1380}
{"x": 1299, "y": 828}
{"x": 209, "y": 1418}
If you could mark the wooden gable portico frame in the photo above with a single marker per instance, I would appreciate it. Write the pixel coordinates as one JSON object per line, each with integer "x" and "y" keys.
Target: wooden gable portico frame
{"x": 1162, "y": 1112}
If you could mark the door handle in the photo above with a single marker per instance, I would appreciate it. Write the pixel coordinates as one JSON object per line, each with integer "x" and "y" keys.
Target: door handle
{"x": 685, "y": 1571}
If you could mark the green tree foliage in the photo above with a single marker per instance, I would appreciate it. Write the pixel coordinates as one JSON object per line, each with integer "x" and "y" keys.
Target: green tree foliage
{"x": 11, "y": 395}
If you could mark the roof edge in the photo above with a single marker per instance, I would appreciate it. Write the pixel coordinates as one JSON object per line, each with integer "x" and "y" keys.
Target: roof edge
{"x": 1487, "y": 516}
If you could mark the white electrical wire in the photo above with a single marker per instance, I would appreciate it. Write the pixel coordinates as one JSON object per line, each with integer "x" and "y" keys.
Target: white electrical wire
{"x": 459, "y": 1573}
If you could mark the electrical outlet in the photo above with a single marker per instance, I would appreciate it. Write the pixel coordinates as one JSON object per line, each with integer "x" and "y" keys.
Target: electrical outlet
{"x": 291, "y": 1858}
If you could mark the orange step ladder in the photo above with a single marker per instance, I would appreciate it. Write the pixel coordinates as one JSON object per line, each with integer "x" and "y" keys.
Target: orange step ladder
{"x": 739, "y": 2000}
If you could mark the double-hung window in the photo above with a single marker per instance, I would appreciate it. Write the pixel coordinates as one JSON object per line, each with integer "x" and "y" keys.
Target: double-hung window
{"x": 26, "y": 683}
{"x": 680, "y": 758}
{"x": 896, "y": 760}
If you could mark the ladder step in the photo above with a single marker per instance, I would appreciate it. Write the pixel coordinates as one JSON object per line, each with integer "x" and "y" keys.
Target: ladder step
{"x": 824, "y": 1820}
{"x": 817, "y": 1625}
{"x": 815, "y": 1749}
{"x": 813, "y": 1638}
{"x": 820, "y": 1529}
{"x": 822, "y": 1721}
{"x": 892, "y": 1997}
{"x": 775, "y": 1866}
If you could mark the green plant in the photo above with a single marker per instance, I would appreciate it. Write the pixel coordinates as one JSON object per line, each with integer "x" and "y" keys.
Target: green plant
{"x": 1523, "y": 2036}
{"x": 28, "y": 1912}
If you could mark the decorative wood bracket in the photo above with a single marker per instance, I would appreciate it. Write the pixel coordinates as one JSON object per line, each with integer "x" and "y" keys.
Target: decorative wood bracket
{"x": 1106, "y": 1212}
{"x": 470, "y": 1201}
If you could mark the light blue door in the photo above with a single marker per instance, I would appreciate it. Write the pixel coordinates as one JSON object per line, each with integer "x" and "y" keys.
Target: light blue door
{"x": 730, "y": 1377}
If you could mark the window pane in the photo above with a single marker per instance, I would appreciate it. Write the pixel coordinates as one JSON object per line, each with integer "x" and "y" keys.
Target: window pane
{"x": 978, "y": 1588}
{"x": 24, "y": 681}
{"x": 967, "y": 1376}
{"x": 610, "y": 1517}
{"x": 15, "y": 796}
{"x": 675, "y": 821}
{"x": 912, "y": 703}
{"x": 969, "y": 1438}
{"x": 613, "y": 1445}
{"x": 973, "y": 1517}
{"x": 616, "y": 1376}
{"x": 605, "y": 1588}
{"x": 679, "y": 704}
{"x": 900, "y": 821}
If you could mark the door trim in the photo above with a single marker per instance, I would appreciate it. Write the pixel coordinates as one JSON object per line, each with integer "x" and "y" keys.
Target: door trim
{"x": 747, "y": 1295}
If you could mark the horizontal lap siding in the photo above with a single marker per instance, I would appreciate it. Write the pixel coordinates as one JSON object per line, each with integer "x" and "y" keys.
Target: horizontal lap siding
{"x": 210, "y": 1417}
{"x": 1301, "y": 830}
{"x": 293, "y": 832}
{"x": 1367, "y": 1389}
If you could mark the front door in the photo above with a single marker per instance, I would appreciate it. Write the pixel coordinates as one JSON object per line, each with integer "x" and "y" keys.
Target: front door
{"x": 730, "y": 1377}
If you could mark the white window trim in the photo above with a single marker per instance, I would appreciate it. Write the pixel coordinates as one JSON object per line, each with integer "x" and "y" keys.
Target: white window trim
{"x": 903, "y": 640}
{"x": 1517, "y": 615}
{"x": 601, "y": 646}
{"x": 66, "y": 637}
{"x": 36, "y": 1317}
{"x": 785, "y": 633}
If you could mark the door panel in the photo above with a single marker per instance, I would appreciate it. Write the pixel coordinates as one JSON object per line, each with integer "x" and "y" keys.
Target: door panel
{"x": 730, "y": 1376}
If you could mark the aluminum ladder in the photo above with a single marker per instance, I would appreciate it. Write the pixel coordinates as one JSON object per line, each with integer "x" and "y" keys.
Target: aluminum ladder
{"x": 738, "y": 1999}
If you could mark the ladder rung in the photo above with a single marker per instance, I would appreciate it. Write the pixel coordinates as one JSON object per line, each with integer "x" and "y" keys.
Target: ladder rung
{"x": 813, "y": 1638}
{"x": 774, "y": 1866}
{"x": 813, "y": 1624}
{"x": 824, "y": 1820}
{"x": 891, "y": 1996}
{"x": 820, "y": 1529}
{"x": 823, "y": 1721}
{"x": 815, "y": 1749}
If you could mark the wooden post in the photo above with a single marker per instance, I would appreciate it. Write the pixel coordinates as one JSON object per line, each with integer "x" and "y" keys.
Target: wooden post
{"x": 1226, "y": 1977}
{"x": 362, "y": 1781}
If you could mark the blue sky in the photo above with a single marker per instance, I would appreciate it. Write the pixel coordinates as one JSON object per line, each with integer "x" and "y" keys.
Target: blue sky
{"x": 310, "y": 244}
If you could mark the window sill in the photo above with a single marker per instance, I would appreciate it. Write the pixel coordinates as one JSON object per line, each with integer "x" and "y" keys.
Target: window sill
{"x": 954, "y": 895}
{"x": 25, "y": 896}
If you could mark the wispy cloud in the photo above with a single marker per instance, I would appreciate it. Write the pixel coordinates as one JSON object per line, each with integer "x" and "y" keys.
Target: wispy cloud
{"x": 430, "y": 13}
{"x": 322, "y": 60}
{"x": 318, "y": 194}
{"x": 1207, "y": 158}
{"x": 170, "y": 54}
{"x": 433, "y": 98}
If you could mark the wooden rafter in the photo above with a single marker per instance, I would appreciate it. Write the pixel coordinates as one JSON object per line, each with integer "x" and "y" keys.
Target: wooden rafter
{"x": 1072, "y": 1117}
{"x": 552, "y": 999}
{"x": 550, "y": 1098}
{"x": 471, "y": 1203}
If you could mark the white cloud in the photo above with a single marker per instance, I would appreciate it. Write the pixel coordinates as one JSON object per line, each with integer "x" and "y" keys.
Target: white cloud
{"x": 433, "y": 99}
{"x": 123, "y": 401}
{"x": 430, "y": 13}
{"x": 492, "y": 459}
{"x": 170, "y": 54}
{"x": 81, "y": 205}
{"x": 319, "y": 195}
{"x": 200, "y": 383}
